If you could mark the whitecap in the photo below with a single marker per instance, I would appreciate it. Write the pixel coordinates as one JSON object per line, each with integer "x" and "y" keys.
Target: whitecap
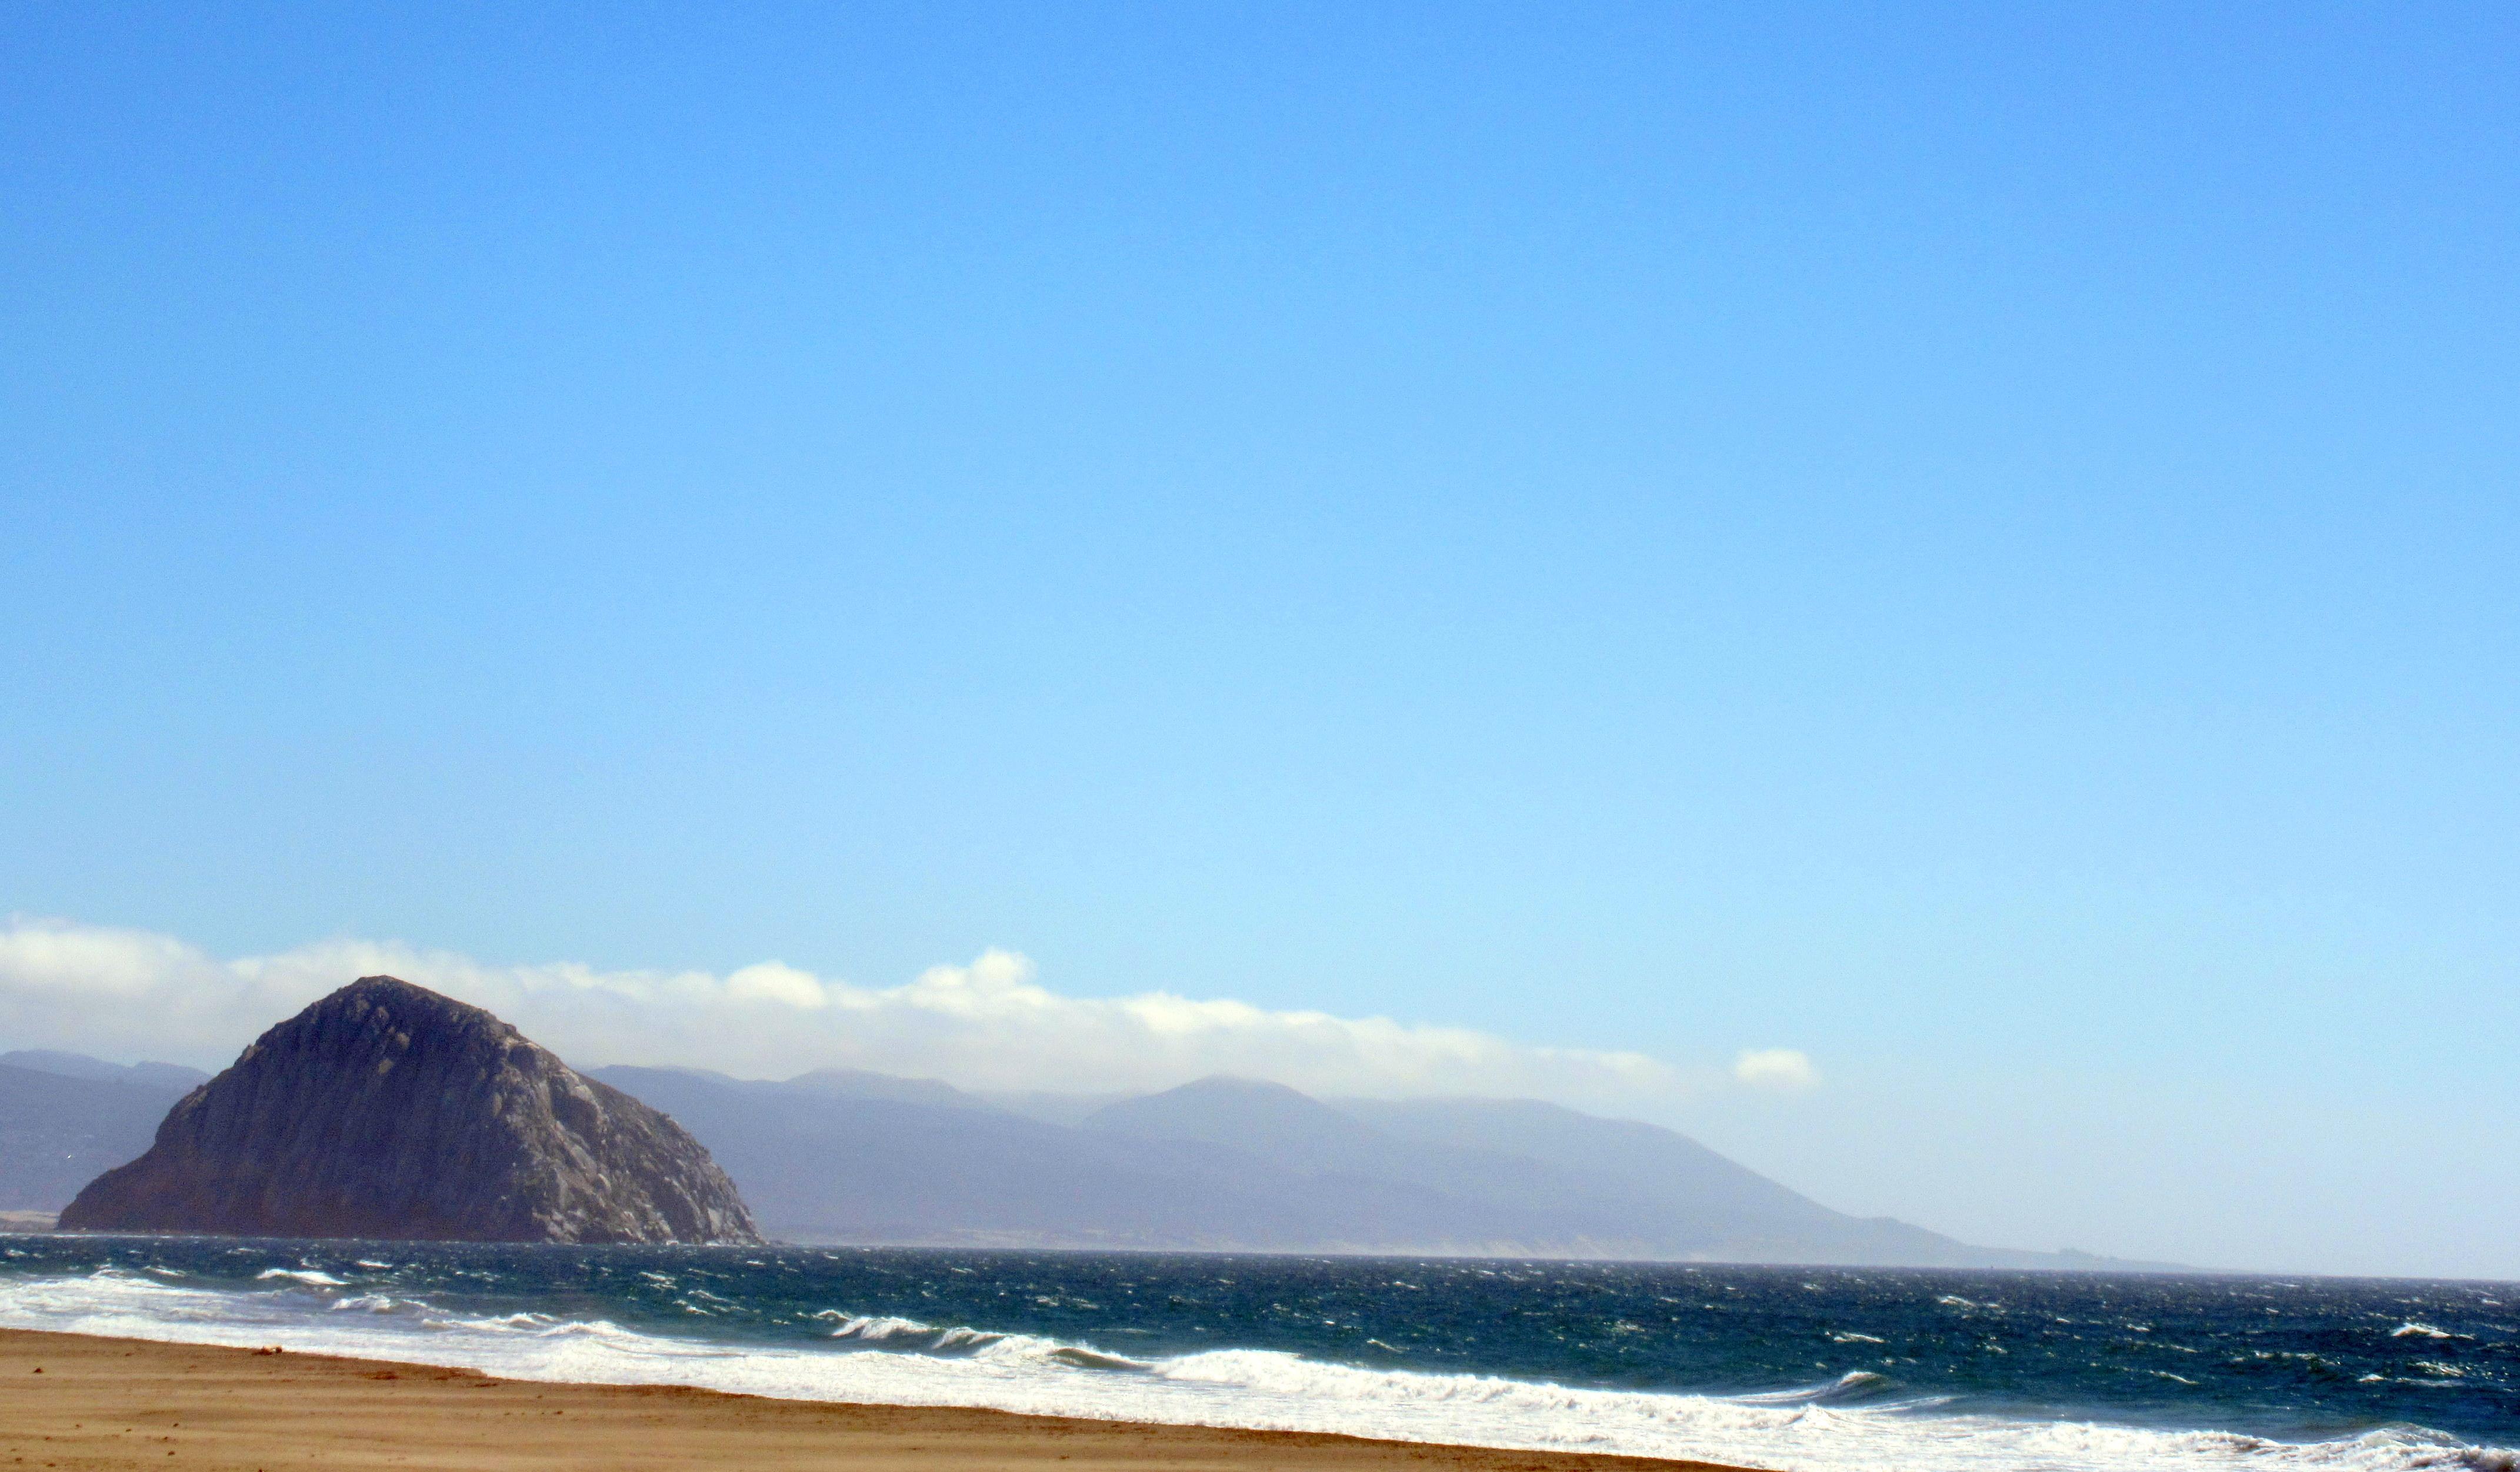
{"x": 367, "y": 1303}
{"x": 958, "y": 1341}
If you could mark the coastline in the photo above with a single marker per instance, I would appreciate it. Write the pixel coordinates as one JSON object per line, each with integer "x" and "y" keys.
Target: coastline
{"x": 83, "y": 1402}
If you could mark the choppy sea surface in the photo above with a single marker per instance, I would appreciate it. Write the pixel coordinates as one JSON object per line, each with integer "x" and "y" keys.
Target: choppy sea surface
{"x": 1771, "y": 1367}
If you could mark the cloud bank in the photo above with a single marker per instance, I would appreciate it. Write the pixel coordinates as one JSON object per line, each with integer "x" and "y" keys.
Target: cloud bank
{"x": 132, "y": 993}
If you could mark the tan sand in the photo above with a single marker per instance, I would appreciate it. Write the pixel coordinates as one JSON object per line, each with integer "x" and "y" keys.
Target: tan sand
{"x": 68, "y": 1401}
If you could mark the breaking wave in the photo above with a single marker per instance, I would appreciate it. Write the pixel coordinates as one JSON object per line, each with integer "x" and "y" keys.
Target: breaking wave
{"x": 309, "y": 1278}
{"x": 1853, "y": 1385}
{"x": 911, "y": 1336}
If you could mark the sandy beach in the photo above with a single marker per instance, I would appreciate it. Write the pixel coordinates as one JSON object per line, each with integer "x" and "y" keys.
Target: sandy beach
{"x": 72, "y": 1401}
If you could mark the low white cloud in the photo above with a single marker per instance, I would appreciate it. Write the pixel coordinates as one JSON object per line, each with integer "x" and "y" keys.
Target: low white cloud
{"x": 1781, "y": 1069}
{"x": 132, "y": 993}
{"x": 771, "y": 981}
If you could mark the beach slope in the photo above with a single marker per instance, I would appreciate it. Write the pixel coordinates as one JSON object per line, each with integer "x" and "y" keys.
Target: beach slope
{"x": 73, "y": 1403}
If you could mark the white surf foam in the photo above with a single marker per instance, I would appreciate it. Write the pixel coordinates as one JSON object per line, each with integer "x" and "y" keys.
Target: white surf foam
{"x": 905, "y": 1363}
{"x": 978, "y": 1344}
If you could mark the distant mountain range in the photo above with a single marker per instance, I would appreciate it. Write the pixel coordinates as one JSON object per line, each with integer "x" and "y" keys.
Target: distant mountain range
{"x": 1231, "y": 1163}
{"x": 844, "y": 1156}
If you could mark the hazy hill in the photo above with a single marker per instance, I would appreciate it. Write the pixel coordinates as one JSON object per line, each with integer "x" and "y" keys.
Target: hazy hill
{"x": 65, "y": 1117}
{"x": 1234, "y": 1164}
{"x": 72, "y": 1065}
{"x": 820, "y": 1164}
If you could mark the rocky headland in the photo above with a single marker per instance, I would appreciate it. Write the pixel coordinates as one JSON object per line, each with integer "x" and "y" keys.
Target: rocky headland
{"x": 385, "y": 1111}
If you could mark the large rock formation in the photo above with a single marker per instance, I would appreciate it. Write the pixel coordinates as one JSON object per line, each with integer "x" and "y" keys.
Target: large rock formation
{"x": 385, "y": 1111}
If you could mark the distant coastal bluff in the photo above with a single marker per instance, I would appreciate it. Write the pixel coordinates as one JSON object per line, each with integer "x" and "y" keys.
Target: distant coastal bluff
{"x": 388, "y": 1111}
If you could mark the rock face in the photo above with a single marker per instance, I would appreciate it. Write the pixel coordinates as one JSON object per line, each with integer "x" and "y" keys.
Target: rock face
{"x": 386, "y": 1110}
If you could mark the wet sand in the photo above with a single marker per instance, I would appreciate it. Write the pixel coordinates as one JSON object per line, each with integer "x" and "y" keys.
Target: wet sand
{"x": 72, "y": 1402}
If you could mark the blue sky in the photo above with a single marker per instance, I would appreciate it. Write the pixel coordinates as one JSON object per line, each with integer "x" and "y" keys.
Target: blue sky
{"x": 1974, "y": 543}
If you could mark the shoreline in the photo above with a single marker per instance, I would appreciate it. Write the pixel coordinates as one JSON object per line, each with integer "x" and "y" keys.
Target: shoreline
{"x": 102, "y": 1405}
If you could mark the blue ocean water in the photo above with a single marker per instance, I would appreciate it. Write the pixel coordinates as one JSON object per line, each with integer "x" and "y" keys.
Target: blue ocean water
{"x": 1786, "y": 1368}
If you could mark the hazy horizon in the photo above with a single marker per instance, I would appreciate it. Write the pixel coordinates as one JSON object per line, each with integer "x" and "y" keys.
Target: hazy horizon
{"x": 989, "y": 1027}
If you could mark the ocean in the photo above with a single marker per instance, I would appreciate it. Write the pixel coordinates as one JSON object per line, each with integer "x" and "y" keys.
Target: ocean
{"x": 1805, "y": 1368}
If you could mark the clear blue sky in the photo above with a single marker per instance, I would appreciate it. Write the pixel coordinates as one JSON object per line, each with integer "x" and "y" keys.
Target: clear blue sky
{"x": 1979, "y": 542}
